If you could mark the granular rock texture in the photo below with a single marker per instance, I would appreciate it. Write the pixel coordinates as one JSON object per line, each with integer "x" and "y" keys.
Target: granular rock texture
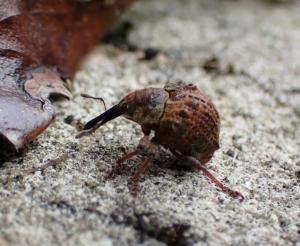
{"x": 245, "y": 55}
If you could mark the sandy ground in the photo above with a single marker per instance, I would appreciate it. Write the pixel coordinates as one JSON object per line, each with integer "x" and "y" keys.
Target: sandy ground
{"x": 246, "y": 56}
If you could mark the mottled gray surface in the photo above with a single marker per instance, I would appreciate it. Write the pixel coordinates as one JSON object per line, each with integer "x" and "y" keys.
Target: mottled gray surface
{"x": 256, "y": 88}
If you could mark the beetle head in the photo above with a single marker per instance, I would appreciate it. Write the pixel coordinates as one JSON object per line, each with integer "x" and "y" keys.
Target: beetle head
{"x": 145, "y": 107}
{"x": 142, "y": 106}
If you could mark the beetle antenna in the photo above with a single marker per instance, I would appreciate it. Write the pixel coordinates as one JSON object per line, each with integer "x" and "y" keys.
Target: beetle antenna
{"x": 96, "y": 98}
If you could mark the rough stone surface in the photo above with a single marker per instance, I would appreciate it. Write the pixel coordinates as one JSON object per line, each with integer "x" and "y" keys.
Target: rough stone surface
{"x": 246, "y": 56}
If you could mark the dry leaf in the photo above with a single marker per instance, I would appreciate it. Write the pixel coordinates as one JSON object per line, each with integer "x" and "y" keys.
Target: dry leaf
{"x": 41, "y": 44}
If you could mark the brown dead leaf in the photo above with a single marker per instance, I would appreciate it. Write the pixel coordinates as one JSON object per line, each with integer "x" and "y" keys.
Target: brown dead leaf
{"x": 41, "y": 44}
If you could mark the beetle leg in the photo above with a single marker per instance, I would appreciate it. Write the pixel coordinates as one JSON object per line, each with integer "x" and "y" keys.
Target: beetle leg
{"x": 136, "y": 177}
{"x": 218, "y": 183}
{"x": 148, "y": 147}
{"x": 144, "y": 145}
{"x": 96, "y": 98}
{"x": 120, "y": 162}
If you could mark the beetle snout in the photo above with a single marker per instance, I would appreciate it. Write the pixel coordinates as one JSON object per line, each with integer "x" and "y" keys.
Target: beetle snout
{"x": 108, "y": 115}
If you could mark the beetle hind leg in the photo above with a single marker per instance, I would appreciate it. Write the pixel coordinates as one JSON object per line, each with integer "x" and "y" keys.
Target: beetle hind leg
{"x": 199, "y": 164}
{"x": 218, "y": 183}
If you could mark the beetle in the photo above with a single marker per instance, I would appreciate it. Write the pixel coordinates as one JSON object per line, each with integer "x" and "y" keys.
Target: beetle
{"x": 182, "y": 120}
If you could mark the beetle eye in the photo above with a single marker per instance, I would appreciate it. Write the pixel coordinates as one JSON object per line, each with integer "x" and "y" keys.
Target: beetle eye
{"x": 125, "y": 106}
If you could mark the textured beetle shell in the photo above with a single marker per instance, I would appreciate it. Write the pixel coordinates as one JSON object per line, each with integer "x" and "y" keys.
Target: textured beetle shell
{"x": 190, "y": 123}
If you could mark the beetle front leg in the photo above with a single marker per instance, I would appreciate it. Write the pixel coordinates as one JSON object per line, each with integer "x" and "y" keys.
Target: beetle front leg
{"x": 143, "y": 145}
{"x": 120, "y": 163}
{"x": 136, "y": 177}
{"x": 149, "y": 148}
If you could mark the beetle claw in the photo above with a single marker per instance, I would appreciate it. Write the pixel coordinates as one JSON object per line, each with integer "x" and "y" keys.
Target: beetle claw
{"x": 238, "y": 195}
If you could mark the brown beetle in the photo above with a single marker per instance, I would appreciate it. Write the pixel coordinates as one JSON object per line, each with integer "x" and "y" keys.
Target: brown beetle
{"x": 182, "y": 119}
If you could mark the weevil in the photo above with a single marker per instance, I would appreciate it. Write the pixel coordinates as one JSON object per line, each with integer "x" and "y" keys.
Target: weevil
{"x": 181, "y": 119}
